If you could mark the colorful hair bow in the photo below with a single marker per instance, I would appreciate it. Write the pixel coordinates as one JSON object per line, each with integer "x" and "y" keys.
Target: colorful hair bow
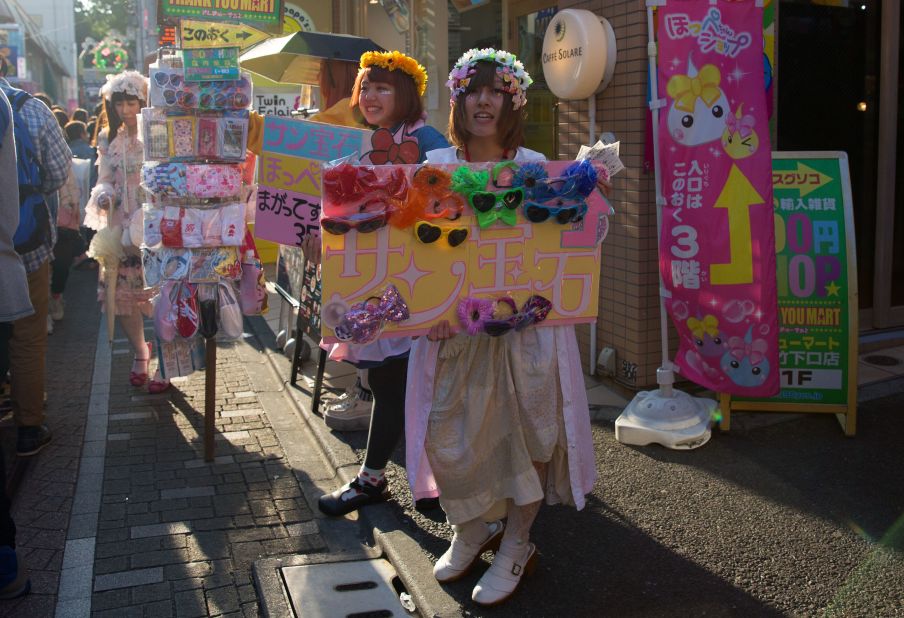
{"x": 743, "y": 125}
{"x": 347, "y": 183}
{"x": 754, "y": 350}
{"x": 708, "y": 325}
{"x": 686, "y": 90}
{"x": 365, "y": 321}
{"x": 387, "y": 151}
{"x": 504, "y": 206}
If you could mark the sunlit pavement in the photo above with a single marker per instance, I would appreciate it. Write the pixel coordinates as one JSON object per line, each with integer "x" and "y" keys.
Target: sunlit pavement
{"x": 120, "y": 516}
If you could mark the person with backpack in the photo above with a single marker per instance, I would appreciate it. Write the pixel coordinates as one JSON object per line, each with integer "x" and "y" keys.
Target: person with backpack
{"x": 43, "y": 161}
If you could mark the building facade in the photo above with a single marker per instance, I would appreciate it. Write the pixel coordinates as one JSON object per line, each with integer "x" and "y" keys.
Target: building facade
{"x": 838, "y": 74}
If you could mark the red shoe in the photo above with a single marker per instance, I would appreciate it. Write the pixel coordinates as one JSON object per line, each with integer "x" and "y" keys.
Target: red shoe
{"x": 156, "y": 387}
{"x": 136, "y": 378}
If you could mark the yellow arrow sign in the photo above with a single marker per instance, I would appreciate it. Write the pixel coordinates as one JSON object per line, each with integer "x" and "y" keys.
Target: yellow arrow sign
{"x": 804, "y": 179}
{"x": 204, "y": 34}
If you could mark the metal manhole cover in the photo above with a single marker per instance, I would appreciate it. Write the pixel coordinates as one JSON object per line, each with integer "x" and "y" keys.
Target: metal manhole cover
{"x": 358, "y": 588}
{"x": 882, "y": 360}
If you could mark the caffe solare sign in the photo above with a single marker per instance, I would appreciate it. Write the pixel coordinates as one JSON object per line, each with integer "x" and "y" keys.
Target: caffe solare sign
{"x": 578, "y": 54}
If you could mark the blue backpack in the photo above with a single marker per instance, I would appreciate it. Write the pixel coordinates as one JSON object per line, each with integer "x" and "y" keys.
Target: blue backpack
{"x": 34, "y": 216}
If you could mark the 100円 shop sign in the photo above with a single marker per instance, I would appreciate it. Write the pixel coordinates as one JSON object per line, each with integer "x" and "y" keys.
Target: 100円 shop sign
{"x": 265, "y": 14}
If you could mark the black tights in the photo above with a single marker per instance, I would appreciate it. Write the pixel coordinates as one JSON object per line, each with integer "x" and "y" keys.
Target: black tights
{"x": 387, "y": 422}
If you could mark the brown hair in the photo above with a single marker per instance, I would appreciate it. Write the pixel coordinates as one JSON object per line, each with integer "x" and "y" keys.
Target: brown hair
{"x": 61, "y": 117}
{"x": 510, "y": 124}
{"x": 75, "y": 129}
{"x": 408, "y": 105}
{"x": 336, "y": 80}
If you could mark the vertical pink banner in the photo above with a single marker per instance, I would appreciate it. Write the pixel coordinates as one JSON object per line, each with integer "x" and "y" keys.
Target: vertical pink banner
{"x": 717, "y": 244}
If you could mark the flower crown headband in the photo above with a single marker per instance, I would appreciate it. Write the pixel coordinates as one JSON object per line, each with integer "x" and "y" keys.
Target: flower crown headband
{"x": 396, "y": 60}
{"x": 514, "y": 78}
{"x": 128, "y": 82}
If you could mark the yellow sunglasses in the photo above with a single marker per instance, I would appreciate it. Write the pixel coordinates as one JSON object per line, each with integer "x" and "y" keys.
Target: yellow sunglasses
{"x": 428, "y": 233}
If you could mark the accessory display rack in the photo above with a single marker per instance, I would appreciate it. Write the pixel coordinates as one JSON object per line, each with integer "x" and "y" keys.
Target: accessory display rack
{"x": 195, "y": 136}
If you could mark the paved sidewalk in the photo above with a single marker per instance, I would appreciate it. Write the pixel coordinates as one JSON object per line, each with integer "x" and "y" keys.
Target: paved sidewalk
{"x": 120, "y": 515}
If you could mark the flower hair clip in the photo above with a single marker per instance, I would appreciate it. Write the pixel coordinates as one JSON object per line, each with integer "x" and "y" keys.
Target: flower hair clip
{"x": 479, "y": 315}
{"x": 432, "y": 196}
{"x": 397, "y": 60}
{"x": 515, "y": 79}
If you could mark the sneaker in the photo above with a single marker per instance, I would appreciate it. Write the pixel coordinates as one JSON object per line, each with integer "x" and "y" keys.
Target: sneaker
{"x": 56, "y": 308}
{"x": 32, "y": 439}
{"x": 353, "y": 496}
{"x": 353, "y": 414}
{"x": 49, "y": 325}
{"x": 329, "y": 402}
{"x": 13, "y": 581}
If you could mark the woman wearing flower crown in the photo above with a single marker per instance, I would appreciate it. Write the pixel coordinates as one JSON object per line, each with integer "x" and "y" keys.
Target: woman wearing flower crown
{"x": 115, "y": 206}
{"x": 495, "y": 424}
{"x": 388, "y": 92}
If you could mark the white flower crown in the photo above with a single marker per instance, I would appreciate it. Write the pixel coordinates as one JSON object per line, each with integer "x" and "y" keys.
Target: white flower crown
{"x": 128, "y": 82}
{"x": 509, "y": 69}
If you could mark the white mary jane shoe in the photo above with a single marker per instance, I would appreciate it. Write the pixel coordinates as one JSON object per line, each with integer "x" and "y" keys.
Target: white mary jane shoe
{"x": 462, "y": 556}
{"x": 502, "y": 578}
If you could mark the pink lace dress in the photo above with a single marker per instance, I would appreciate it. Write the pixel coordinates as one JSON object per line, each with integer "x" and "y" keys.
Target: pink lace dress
{"x": 118, "y": 175}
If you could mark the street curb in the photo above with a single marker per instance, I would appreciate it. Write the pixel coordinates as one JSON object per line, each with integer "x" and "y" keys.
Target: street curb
{"x": 404, "y": 553}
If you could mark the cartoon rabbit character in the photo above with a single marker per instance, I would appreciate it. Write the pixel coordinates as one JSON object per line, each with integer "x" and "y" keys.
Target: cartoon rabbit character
{"x": 700, "y": 108}
{"x": 740, "y": 139}
{"x": 745, "y": 361}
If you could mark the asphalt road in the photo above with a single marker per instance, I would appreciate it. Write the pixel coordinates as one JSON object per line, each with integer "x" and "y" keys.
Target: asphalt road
{"x": 786, "y": 517}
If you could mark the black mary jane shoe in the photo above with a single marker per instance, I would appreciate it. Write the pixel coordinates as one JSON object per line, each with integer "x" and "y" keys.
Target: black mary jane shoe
{"x": 333, "y": 504}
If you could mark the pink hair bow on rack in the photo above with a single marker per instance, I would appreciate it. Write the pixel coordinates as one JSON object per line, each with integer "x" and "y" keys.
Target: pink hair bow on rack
{"x": 365, "y": 321}
{"x": 754, "y": 350}
{"x": 743, "y": 125}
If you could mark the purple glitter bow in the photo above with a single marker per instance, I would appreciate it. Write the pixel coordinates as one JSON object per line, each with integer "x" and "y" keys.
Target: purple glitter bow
{"x": 364, "y": 322}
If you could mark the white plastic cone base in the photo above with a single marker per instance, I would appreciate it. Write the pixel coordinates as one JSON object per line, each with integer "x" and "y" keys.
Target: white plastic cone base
{"x": 678, "y": 421}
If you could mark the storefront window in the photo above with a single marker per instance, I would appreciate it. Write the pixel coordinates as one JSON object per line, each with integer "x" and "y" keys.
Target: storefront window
{"x": 828, "y": 94}
{"x": 897, "y": 273}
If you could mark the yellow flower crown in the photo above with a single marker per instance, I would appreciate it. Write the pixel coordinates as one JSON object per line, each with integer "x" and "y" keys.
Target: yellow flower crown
{"x": 397, "y": 60}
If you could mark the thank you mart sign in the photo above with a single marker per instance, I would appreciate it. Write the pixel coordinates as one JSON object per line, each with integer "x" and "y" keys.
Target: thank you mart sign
{"x": 264, "y": 14}
{"x": 578, "y": 54}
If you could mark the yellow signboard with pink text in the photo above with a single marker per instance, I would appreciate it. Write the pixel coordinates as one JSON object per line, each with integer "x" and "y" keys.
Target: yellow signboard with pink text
{"x": 489, "y": 247}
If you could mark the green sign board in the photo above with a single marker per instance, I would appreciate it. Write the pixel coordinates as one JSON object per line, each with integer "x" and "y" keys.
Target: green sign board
{"x": 264, "y": 14}
{"x": 811, "y": 198}
{"x": 221, "y": 63}
{"x": 817, "y": 288}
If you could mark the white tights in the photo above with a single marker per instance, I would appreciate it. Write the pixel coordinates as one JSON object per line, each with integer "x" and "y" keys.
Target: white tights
{"x": 517, "y": 528}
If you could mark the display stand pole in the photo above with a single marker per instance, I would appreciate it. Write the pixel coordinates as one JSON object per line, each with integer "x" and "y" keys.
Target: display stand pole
{"x": 210, "y": 397}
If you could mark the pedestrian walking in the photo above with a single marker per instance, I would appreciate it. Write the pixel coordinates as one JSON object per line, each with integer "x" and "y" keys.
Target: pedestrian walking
{"x": 42, "y": 165}
{"x": 114, "y": 211}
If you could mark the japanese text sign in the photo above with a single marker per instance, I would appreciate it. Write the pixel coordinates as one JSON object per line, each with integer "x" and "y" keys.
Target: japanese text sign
{"x": 288, "y": 196}
{"x": 717, "y": 244}
{"x": 221, "y": 63}
{"x": 442, "y": 247}
{"x": 816, "y": 277}
{"x": 265, "y": 14}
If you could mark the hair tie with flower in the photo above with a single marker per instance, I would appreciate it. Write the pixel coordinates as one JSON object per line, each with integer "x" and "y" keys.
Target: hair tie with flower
{"x": 397, "y": 60}
{"x": 130, "y": 83}
{"x": 515, "y": 80}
